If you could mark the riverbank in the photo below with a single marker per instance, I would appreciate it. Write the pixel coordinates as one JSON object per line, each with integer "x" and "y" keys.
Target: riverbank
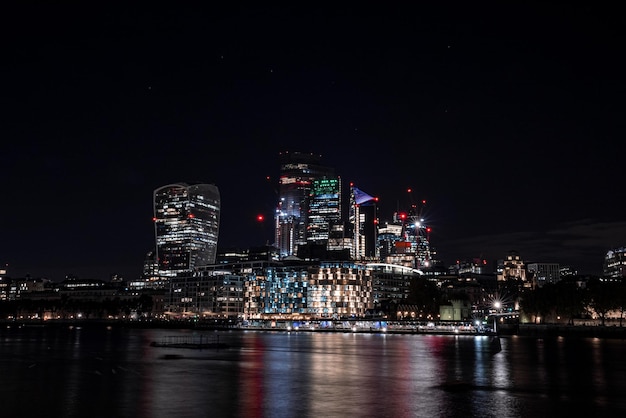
{"x": 352, "y": 326}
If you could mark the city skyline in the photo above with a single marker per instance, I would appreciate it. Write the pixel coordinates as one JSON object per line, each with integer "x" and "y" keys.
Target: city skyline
{"x": 504, "y": 118}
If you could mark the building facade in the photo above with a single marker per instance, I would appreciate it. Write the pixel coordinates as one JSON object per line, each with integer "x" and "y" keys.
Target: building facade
{"x": 267, "y": 289}
{"x": 390, "y": 283}
{"x": 339, "y": 290}
{"x": 363, "y": 220}
{"x": 186, "y": 226}
{"x": 513, "y": 268}
{"x": 298, "y": 172}
{"x": 544, "y": 273}
{"x": 324, "y": 215}
{"x": 615, "y": 263}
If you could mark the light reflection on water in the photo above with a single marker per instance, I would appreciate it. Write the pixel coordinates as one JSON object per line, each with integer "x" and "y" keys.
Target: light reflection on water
{"x": 104, "y": 373}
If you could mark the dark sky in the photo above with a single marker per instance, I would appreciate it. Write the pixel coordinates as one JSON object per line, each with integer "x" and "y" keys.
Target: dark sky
{"x": 507, "y": 117}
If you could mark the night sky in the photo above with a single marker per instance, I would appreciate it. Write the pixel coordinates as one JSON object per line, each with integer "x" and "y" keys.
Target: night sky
{"x": 506, "y": 117}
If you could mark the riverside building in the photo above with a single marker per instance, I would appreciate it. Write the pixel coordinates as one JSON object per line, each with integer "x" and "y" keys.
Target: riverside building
{"x": 267, "y": 289}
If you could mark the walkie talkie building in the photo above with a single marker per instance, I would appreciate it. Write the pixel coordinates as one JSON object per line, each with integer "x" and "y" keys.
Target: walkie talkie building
{"x": 186, "y": 225}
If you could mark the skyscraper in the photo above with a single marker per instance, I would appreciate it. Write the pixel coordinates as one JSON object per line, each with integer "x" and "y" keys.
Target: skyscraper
{"x": 298, "y": 171}
{"x": 186, "y": 226}
{"x": 324, "y": 214}
{"x": 364, "y": 220}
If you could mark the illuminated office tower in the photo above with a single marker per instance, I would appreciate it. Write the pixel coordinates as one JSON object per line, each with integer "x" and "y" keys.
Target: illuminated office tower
{"x": 324, "y": 210}
{"x": 298, "y": 171}
{"x": 186, "y": 225}
{"x": 363, "y": 218}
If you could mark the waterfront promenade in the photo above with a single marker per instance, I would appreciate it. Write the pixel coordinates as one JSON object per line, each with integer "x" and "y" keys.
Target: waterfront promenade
{"x": 612, "y": 330}
{"x": 362, "y": 326}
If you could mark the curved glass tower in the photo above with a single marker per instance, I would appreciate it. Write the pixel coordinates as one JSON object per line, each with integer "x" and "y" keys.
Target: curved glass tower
{"x": 186, "y": 225}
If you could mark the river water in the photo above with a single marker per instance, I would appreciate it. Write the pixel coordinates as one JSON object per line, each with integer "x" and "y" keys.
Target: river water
{"x": 115, "y": 372}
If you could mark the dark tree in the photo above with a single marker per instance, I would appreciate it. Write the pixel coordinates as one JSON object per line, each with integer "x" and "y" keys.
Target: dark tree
{"x": 425, "y": 295}
{"x": 604, "y": 296}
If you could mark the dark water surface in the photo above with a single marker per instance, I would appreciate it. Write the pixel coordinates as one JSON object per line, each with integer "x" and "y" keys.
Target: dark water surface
{"x": 100, "y": 372}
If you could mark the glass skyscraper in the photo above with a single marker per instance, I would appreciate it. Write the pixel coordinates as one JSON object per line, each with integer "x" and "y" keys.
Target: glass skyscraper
{"x": 186, "y": 225}
{"x": 324, "y": 210}
{"x": 298, "y": 171}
